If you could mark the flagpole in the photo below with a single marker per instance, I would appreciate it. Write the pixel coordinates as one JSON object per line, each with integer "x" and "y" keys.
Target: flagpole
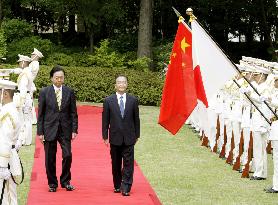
{"x": 189, "y": 12}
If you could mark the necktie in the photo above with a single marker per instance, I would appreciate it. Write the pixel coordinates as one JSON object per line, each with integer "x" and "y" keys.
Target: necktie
{"x": 122, "y": 107}
{"x": 58, "y": 97}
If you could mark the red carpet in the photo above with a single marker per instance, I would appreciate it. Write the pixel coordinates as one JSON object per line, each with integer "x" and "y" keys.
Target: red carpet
{"x": 91, "y": 171}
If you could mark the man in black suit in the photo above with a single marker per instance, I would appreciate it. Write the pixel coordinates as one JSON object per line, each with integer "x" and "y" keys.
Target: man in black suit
{"x": 120, "y": 121}
{"x": 57, "y": 121}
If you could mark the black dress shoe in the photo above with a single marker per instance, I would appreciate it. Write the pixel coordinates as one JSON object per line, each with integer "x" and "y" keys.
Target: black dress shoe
{"x": 68, "y": 187}
{"x": 125, "y": 193}
{"x": 271, "y": 190}
{"x": 261, "y": 178}
{"x": 52, "y": 189}
{"x": 257, "y": 178}
{"x": 117, "y": 190}
{"x": 265, "y": 189}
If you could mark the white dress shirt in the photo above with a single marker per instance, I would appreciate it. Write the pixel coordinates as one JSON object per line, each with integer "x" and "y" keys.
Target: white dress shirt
{"x": 124, "y": 98}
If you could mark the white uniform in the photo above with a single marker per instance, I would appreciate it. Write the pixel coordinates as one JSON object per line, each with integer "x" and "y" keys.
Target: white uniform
{"x": 236, "y": 117}
{"x": 25, "y": 81}
{"x": 9, "y": 130}
{"x": 273, "y": 137}
{"x": 227, "y": 118}
{"x": 212, "y": 121}
{"x": 34, "y": 67}
{"x": 259, "y": 127}
{"x": 219, "y": 111}
{"x": 245, "y": 126}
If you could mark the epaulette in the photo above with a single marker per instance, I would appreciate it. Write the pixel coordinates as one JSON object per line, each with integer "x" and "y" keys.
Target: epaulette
{"x": 8, "y": 115}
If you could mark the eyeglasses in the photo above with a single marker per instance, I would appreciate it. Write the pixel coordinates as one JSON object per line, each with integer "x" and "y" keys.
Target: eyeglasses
{"x": 121, "y": 82}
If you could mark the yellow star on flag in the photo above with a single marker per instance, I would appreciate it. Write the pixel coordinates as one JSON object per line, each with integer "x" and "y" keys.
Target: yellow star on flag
{"x": 174, "y": 55}
{"x": 184, "y": 45}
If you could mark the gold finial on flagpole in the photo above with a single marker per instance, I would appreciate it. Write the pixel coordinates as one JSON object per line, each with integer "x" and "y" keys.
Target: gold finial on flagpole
{"x": 189, "y": 12}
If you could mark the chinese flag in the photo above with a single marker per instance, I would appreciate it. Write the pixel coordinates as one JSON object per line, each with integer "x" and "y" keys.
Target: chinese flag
{"x": 179, "y": 93}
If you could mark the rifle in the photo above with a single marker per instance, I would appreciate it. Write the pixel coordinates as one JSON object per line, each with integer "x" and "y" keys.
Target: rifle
{"x": 222, "y": 153}
{"x": 237, "y": 163}
{"x": 245, "y": 172}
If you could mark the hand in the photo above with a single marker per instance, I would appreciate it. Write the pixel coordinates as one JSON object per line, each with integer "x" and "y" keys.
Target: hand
{"x": 242, "y": 90}
{"x": 17, "y": 71}
{"x": 41, "y": 137}
{"x": 18, "y": 144}
{"x": 5, "y": 173}
{"x": 73, "y": 136}
{"x": 263, "y": 130}
{"x": 263, "y": 98}
{"x": 106, "y": 142}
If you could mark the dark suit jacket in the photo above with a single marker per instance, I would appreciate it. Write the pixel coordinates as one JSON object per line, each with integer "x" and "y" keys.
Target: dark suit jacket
{"x": 49, "y": 116}
{"x": 121, "y": 130}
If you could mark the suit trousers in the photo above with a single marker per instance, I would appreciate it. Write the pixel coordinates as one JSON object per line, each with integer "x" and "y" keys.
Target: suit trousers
{"x": 50, "y": 148}
{"x": 122, "y": 175}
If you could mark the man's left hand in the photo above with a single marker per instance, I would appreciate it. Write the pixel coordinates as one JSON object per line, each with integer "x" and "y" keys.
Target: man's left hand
{"x": 73, "y": 136}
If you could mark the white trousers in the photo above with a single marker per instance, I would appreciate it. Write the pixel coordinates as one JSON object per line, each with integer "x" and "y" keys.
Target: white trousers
{"x": 237, "y": 135}
{"x": 27, "y": 121}
{"x": 34, "y": 116}
{"x": 274, "y": 144}
{"x": 221, "y": 136}
{"x": 259, "y": 154}
{"x": 10, "y": 195}
{"x": 246, "y": 139}
{"x": 229, "y": 130}
{"x": 212, "y": 121}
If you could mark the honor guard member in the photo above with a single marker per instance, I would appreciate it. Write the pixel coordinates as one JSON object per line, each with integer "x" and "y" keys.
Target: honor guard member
{"x": 273, "y": 134}
{"x": 227, "y": 116}
{"x": 219, "y": 111}
{"x": 246, "y": 114}
{"x": 212, "y": 121}
{"x": 9, "y": 130}
{"x": 25, "y": 81}
{"x": 236, "y": 115}
{"x": 259, "y": 125}
{"x": 34, "y": 67}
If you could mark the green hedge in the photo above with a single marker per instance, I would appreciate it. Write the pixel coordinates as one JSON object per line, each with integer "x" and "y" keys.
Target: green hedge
{"x": 93, "y": 84}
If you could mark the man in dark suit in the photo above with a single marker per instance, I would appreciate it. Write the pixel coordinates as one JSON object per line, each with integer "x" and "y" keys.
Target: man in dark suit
{"x": 57, "y": 121}
{"x": 120, "y": 121}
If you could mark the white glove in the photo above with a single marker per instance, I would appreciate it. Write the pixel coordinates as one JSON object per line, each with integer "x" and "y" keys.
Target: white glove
{"x": 242, "y": 90}
{"x": 5, "y": 173}
{"x": 263, "y": 130}
{"x": 263, "y": 98}
{"x": 17, "y": 71}
{"x": 18, "y": 144}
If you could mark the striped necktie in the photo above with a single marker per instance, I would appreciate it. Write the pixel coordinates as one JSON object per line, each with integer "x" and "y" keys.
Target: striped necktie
{"x": 58, "y": 97}
{"x": 122, "y": 107}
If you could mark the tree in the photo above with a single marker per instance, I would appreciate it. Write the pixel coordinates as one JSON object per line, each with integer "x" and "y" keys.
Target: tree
{"x": 145, "y": 29}
{"x": 3, "y": 44}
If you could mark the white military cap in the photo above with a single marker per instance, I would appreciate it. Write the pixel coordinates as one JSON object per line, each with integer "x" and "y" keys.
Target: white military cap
{"x": 275, "y": 73}
{"x": 38, "y": 53}
{"x": 24, "y": 58}
{"x": 263, "y": 70}
{"x": 248, "y": 67}
{"x": 4, "y": 74}
{"x": 241, "y": 67}
{"x": 7, "y": 85}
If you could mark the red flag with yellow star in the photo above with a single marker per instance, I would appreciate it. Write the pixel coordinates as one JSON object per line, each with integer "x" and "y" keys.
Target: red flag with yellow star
{"x": 179, "y": 93}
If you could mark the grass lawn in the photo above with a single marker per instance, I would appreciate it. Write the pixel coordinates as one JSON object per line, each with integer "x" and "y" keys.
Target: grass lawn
{"x": 180, "y": 170}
